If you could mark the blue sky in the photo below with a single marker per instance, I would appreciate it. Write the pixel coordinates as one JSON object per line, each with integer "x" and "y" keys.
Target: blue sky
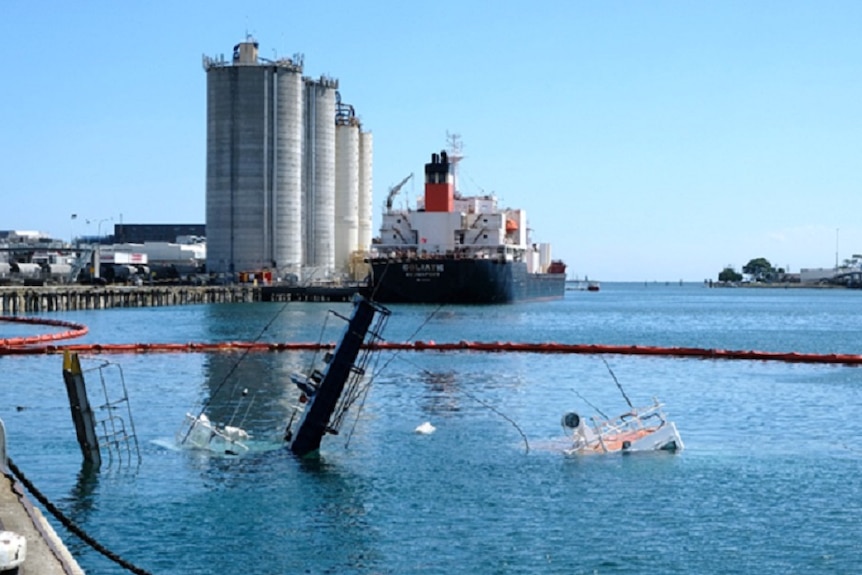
{"x": 647, "y": 141}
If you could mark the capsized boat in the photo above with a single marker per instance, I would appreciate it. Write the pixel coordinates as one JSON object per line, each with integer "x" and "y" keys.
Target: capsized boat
{"x": 199, "y": 432}
{"x": 637, "y": 430}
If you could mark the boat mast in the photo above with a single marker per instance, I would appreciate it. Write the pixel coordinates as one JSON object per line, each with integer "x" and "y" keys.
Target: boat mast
{"x": 325, "y": 405}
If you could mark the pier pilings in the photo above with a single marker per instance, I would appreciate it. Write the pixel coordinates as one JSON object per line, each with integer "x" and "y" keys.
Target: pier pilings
{"x": 38, "y": 299}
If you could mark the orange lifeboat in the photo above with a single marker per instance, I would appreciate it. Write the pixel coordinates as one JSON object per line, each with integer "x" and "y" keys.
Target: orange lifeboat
{"x": 511, "y": 225}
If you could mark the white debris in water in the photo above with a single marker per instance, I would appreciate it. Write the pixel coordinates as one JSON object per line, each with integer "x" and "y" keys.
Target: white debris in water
{"x": 426, "y": 428}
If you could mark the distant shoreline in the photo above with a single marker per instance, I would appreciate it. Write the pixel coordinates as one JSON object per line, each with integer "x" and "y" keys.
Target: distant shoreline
{"x": 777, "y": 285}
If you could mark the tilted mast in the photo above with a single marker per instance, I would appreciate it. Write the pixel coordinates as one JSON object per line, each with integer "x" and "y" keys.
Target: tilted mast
{"x": 331, "y": 393}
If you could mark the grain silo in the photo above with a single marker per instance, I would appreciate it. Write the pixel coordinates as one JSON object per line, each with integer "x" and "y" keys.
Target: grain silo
{"x": 346, "y": 183}
{"x": 319, "y": 177}
{"x": 366, "y": 157}
{"x": 254, "y": 158}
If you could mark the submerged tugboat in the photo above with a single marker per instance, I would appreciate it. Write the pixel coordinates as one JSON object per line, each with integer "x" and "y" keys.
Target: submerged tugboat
{"x": 457, "y": 249}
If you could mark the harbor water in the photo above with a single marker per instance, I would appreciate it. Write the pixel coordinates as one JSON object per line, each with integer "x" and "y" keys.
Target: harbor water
{"x": 768, "y": 482}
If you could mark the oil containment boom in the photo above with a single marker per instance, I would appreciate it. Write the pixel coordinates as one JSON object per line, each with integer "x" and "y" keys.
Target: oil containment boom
{"x": 330, "y": 394}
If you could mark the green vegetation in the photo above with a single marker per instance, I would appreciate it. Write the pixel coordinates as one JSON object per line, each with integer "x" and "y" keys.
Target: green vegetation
{"x": 729, "y": 274}
{"x": 759, "y": 269}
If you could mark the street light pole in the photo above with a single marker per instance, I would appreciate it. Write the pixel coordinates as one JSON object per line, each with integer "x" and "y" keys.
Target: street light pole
{"x": 72, "y": 229}
{"x": 836, "y": 249}
{"x": 97, "y": 263}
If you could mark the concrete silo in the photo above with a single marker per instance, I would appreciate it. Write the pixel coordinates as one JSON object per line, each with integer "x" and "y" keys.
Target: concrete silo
{"x": 253, "y": 175}
{"x": 287, "y": 201}
{"x": 346, "y": 184}
{"x": 365, "y": 213}
{"x": 319, "y": 177}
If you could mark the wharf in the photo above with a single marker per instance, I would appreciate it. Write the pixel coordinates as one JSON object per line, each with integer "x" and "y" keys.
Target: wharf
{"x": 38, "y": 299}
{"x": 46, "y": 553}
{"x": 309, "y": 293}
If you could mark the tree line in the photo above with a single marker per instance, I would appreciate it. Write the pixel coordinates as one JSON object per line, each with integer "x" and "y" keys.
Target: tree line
{"x": 759, "y": 268}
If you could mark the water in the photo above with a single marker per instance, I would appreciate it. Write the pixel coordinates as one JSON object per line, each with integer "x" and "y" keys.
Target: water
{"x": 768, "y": 483}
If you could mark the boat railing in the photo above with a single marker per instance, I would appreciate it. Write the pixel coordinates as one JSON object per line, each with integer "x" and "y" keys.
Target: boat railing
{"x": 634, "y": 420}
{"x": 605, "y": 434}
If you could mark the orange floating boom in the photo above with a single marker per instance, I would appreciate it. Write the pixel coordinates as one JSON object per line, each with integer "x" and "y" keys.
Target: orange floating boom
{"x": 76, "y": 330}
{"x": 29, "y": 346}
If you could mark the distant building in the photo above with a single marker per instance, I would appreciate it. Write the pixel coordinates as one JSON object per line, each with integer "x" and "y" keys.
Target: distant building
{"x": 851, "y": 272}
{"x": 23, "y": 236}
{"x": 141, "y": 233}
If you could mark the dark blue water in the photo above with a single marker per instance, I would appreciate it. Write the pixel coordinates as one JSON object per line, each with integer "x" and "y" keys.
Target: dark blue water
{"x": 768, "y": 483}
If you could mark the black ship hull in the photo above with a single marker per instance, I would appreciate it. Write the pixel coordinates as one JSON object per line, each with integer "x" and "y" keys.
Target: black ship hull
{"x": 461, "y": 281}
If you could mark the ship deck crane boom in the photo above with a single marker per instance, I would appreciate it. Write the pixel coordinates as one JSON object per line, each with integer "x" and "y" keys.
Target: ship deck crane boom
{"x": 393, "y": 191}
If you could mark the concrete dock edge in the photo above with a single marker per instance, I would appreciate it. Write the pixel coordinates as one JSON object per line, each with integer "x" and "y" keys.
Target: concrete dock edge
{"x": 46, "y": 552}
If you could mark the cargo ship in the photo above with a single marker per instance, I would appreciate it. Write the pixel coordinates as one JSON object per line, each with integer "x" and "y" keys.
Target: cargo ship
{"x": 458, "y": 249}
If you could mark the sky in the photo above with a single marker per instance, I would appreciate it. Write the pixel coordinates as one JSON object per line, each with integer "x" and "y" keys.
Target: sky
{"x": 647, "y": 141}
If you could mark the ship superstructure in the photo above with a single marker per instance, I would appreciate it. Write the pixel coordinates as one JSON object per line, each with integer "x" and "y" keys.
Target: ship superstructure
{"x": 459, "y": 249}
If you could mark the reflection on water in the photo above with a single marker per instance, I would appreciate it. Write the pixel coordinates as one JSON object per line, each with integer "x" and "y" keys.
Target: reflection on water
{"x": 441, "y": 392}
{"x": 254, "y": 394}
{"x": 81, "y": 499}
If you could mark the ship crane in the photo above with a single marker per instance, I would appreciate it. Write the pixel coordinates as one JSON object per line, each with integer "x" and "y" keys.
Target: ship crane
{"x": 393, "y": 191}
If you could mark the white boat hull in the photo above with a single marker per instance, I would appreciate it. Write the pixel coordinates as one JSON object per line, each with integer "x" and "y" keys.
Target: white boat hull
{"x": 201, "y": 433}
{"x": 665, "y": 438}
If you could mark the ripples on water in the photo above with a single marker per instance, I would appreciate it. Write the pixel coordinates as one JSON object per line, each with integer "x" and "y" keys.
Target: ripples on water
{"x": 769, "y": 482}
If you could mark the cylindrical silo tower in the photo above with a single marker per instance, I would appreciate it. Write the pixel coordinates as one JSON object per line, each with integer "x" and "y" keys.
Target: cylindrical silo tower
{"x": 346, "y": 184}
{"x": 365, "y": 208}
{"x": 253, "y": 181}
{"x": 319, "y": 176}
{"x": 287, "y": 204}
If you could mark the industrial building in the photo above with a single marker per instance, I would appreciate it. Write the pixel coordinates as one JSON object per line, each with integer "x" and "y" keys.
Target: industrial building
{"x": 288, "y": 171}
{"x": 140, "y": 233}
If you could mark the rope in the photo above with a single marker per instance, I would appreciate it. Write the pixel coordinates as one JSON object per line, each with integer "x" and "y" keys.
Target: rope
{"x": 501, "y": 414}
{"x": 596, "y": 409}
{"x": 468, "y": 394}
{"x": 617, "y": 382}
{"x": 412, "y": 336}
{"x": 364, "y": 394}
{"x": 486, "y": 405}
{"x": 72, "y": 527}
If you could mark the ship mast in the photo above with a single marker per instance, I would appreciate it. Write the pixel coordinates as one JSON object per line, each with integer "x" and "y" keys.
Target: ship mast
{"x": 456, "y": 154}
